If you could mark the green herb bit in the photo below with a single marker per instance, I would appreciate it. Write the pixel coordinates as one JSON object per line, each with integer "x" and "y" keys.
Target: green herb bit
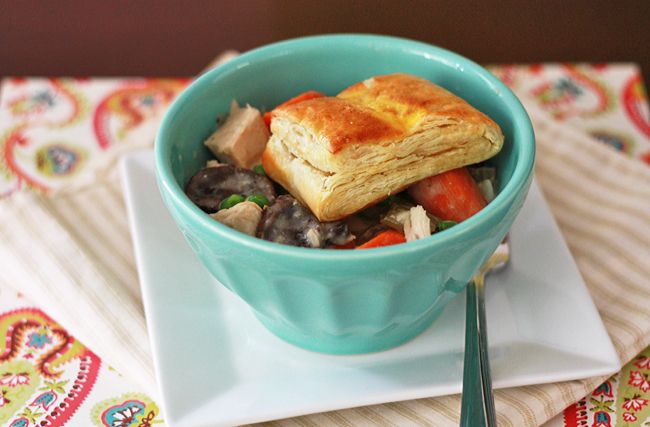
{"x": 259, "y": 199}
{"x": 259, "y": 169}
{"x": 387, "y": 202}
{"x": 231, "y": 201}
{"x": 443, "y": 225}
{"x": 279, "y": 189}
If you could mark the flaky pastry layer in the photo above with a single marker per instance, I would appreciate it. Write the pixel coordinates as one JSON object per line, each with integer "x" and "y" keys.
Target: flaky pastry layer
{"x": 341, "y": 154}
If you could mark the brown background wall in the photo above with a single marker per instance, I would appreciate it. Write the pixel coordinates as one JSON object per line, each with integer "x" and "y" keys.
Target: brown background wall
{"x": 174, "y": 38}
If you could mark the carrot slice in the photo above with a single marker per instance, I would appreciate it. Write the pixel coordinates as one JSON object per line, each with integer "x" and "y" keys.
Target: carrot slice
{"x": 385, "y": 238}
{"x": 451, "y": 195}
{"x": 311, "y": 94}
{"x": 349, "y": 245}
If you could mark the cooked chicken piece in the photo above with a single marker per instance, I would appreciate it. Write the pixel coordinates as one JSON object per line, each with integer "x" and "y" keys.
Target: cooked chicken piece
{"x": 241, "y": 139}
{"x": 417, "y": 225}
{"x": 243, "y": 217}
{"x": 487, "y": 190}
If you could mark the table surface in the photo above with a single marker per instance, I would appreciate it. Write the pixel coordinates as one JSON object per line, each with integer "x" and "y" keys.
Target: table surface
{"x": 50, "y": 128}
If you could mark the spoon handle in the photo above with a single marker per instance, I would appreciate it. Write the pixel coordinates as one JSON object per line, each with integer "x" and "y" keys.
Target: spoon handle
{"x": 477, "y": 407}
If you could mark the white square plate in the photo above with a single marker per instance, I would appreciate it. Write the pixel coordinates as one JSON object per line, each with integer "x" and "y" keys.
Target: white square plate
{"x": 216, "y": 365}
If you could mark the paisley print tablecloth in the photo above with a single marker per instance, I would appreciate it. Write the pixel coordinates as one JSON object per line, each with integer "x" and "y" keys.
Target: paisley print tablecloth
{"x": 55, "y": 130}
{"x": 47, "y": 378}
{"x": 51, "y": 130}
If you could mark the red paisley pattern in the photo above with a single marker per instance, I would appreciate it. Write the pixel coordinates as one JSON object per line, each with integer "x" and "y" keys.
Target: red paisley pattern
{"x": 33, "y": 337}
{"x": 634, "y": 100}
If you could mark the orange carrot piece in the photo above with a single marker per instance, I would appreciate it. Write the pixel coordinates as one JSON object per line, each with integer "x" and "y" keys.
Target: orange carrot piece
{"x": 385, "y": 238}
{"x": 349, "y": 245}
{"x": 267, "y": 119}
{"x": 311, "y": 94}
{"x": 451, "y": 195}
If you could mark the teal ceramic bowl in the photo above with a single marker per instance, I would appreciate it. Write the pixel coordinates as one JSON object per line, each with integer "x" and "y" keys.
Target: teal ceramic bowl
{"x": 340, "y": 301}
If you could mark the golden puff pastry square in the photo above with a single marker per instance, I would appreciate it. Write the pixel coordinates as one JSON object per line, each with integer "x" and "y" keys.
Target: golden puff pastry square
{"x": 341, "y": 154}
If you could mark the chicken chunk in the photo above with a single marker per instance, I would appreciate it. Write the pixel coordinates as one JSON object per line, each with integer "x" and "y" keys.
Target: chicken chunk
{"x": 242, "y": 217}
{"x": 417, "y": 224}
{"x": 241, "y": 139}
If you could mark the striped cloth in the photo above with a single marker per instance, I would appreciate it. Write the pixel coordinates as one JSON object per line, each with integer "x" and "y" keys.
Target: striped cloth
{"x": 600, "y": 200}
{"x": 72, "y": 253}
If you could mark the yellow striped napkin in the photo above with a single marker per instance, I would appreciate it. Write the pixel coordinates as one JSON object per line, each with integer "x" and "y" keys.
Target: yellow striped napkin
{"x": 72, "y": 254}
{"x": 601, "y": 202}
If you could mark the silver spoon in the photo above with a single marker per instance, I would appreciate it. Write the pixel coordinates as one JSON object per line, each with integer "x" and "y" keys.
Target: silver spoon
{"x": 477, "y": 407}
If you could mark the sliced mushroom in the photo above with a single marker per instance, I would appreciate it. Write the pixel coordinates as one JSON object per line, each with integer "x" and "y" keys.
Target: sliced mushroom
{"x": 209, "y": 186}
{"x": 336, "y": 233}
{"x": 244, "y": 217}
{"x": 289, "y": 222}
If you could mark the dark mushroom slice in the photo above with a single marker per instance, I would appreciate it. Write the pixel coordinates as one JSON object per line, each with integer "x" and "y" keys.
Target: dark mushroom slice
{"x": 288, "y": 222}
{"x": 371, "y": 233}
{"x": 336, "y": 233}
{"x": 209, "y": 186}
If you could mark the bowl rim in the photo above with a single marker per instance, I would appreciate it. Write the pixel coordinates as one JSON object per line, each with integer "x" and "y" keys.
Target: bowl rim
{"x": 522, "y": 132}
